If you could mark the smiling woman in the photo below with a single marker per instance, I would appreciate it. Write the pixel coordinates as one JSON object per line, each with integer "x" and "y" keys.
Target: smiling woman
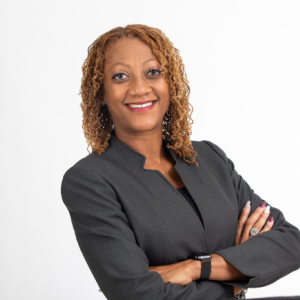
{"x": 136, "y": 65}
{"x": 156, "y": 215}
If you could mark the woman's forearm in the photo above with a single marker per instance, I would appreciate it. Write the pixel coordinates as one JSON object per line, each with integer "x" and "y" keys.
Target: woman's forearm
{"x": 186, "y": 271}
{"x": 222, "y": 270}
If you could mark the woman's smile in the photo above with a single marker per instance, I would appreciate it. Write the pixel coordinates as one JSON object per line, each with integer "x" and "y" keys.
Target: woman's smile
{"x": 143, "y": 106}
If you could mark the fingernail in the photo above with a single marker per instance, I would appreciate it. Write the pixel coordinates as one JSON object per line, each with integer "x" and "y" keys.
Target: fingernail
{"x": 247, "y": 204}
{"x": 271, "y": 219}
{"x": 267, "y": 209}
{"x": 263, "y": 204}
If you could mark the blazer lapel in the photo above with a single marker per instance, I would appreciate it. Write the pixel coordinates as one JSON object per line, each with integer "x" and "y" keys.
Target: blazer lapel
{"x": 218, "y": 212}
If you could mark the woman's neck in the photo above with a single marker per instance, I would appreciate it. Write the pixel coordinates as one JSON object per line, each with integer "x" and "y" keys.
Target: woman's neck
{"x": 150, "y": 144}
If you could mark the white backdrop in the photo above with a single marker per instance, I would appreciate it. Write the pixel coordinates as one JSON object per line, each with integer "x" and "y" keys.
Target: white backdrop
{"x": 240, "y": 56}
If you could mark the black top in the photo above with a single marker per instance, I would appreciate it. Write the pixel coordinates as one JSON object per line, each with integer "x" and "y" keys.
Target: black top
{"x": 185, "y": 193}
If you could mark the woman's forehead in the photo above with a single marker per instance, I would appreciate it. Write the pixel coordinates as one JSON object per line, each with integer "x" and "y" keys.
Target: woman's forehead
{"x": 127, "y": 49}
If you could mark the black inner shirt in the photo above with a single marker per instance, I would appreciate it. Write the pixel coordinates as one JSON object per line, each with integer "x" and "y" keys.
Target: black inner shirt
{"x": 185, "y": 193}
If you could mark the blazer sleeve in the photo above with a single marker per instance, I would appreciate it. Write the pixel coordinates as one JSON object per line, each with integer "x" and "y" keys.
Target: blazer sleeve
{"x": 108, "y": 244}
{"x": 266, "y": 257}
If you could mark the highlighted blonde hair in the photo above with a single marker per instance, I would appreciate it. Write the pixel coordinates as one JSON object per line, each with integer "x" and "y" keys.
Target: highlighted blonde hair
{"x": 97, "y": 122}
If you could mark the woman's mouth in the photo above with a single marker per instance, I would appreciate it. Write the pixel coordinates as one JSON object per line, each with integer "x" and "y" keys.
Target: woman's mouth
{"x": 145, "y": 106}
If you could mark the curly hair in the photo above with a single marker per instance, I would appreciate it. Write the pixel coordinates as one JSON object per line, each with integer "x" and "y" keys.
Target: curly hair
{"x": 97, "y": 122}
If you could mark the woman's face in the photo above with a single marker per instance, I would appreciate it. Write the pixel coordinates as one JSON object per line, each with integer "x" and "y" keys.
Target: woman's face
{"x": 131, "y": 76}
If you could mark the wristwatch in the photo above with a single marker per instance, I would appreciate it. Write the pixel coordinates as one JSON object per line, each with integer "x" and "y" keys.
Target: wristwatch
{"x": 205, "y": 258}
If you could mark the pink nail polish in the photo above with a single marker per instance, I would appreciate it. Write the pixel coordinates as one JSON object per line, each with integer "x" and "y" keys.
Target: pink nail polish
{"x": 263, "y": 205}
{"x": 271, "y": 219}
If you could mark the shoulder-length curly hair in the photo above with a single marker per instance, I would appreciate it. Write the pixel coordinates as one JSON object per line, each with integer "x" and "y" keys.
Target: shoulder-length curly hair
{"x": 97, "y": 122}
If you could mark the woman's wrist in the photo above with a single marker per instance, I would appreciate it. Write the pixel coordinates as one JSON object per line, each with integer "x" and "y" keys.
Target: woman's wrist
{"x": 195, "y": 269}
{"x": 219, "y": 268}
{"x": 222, "y": 270}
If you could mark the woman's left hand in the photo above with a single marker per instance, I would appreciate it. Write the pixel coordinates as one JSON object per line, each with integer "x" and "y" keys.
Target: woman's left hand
{"x": 256, "y": 220}
{"x": 245, "y": 224}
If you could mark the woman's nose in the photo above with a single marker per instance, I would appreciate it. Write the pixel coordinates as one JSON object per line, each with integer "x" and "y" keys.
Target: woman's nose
{"x": 139, "y": 87}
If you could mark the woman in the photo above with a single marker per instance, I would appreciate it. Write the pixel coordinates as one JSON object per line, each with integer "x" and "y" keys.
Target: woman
{"x": 148, "y": 200}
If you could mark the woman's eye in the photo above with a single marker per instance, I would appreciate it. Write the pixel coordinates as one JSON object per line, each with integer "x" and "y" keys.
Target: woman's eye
{"x": 119, "y": 76}
{"x": 154, "y": 72}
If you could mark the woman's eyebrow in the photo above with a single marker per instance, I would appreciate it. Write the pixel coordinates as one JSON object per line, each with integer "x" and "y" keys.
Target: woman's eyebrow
{"x": 119, "y": 63}
{"x": 148, "y": 60}
{"x": 128, "y": 66}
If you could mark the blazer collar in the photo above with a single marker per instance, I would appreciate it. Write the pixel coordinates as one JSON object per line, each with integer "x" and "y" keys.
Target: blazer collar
{"x": 128, "y": 157}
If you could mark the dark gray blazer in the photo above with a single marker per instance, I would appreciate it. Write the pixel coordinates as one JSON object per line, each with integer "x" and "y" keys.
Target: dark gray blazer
{"x": 127, "y": 218}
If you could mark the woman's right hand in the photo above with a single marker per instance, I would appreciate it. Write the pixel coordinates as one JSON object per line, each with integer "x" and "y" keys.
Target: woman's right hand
{"x": 181, "y": 273}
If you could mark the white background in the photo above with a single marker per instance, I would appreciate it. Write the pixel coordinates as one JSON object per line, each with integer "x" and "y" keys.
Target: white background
{"x": 242, "y": 60}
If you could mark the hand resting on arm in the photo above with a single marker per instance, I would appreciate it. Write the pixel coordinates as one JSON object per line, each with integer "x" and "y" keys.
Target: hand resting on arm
{"x": 186, "y": 271}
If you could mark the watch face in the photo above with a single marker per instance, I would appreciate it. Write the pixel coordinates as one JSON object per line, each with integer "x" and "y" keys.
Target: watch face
{"x": 201, "y": 256}
{"x": 204, "y": 257}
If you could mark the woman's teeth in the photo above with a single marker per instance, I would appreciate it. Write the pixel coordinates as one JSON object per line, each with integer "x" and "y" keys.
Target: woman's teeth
{"x": 140, "y": 106}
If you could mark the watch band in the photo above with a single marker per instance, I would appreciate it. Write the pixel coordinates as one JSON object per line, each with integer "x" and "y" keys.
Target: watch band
{"x": 205, "y": 258}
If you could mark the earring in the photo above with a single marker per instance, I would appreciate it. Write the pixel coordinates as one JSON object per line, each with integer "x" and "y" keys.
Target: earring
{"x": 102, "y": 102}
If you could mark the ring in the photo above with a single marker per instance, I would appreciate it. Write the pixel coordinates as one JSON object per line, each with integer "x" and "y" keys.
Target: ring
{"x": 254, "y": 231}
